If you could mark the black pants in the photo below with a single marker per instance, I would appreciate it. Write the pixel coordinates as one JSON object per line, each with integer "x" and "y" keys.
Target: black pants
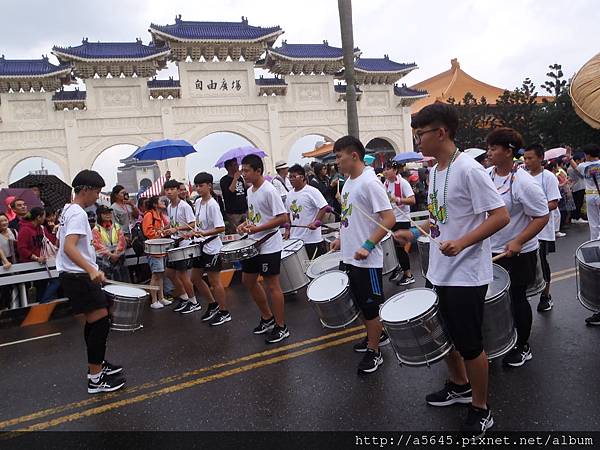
{"x": 578, "y": 198}
{"x": 315, "y": 250}
{"x": 546, "y": 247}
{"x": 403, "y": 257}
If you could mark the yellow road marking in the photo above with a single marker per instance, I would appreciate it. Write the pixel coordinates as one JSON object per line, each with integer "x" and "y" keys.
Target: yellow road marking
{"x": 564, "y": 277}
{"x": 186, "y": 385}
{"x": 172, "y": 378}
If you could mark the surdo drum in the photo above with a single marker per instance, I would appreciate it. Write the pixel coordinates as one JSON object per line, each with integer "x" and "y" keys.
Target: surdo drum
{"x": 239, "y": 250}
{"x": 127, "y": 307}
{"x": 158, "y": 247}
{"x": 539, "y": 284}
{"x": 329, "y": 294}
{"x": 390, "y": 259}
{"x": 423, "y": 247}
{"x": 184, "y": 253}
{"x": 498, "y": 329}
{"x": 324, "y": 263}
{"x": 587, "y": 266}
{"x": 293, "y": 260}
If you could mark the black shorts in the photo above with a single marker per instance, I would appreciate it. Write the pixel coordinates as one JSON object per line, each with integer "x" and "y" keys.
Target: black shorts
{"x": 521, "y": 268}
{"x": 267, "y": 264}
{"x": 180, "y": 266}
{"x": 208, "y": 263}
{"x": 315, "y": 250}
{"x": 84, "y": 295}
{"x": 462, "y": 310}
{"x": 366, "y": 286}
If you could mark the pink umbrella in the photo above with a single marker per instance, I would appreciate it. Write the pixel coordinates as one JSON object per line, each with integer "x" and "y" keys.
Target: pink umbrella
{"x": 554, "y": 153}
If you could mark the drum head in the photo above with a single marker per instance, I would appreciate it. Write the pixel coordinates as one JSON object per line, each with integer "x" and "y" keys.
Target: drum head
{"x": 327, "y": 286}
{"x": 292, "y": 246}
{"x": 499, "y": 283}
{"x": 161, "y": 241}
{"x": 423, "y": 240}
{"x": 237, "y": 245}
{"x": 588, "y": 253}
{"x": 407, "y": 305}
{"x": 324, "y": 263}
{"x": 124, "y": 291}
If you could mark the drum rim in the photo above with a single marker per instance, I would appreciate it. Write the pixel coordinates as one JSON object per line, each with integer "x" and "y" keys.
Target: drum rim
{"x": 326, "y": 256}
{"x": 167, "y": 241}
{"x": 506, "y": 288}
{"x": 115, "y": 286}
{"x": 577, "y": 252}
{"x": 251, "y": 243}
{"x": 333, "y": 298}
{"x": 173, "y": 250}
{"x": 420, "y": 316}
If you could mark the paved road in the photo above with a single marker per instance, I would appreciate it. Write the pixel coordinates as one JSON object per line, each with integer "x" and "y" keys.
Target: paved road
{"x": 183, "y": 375}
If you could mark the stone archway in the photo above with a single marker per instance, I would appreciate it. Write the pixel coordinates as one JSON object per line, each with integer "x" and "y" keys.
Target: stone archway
{"x": 383, "y": 148}
{"x": 107, "y": 164}
{"x": 331, "y": 134}
{"x": 12, "y": 160}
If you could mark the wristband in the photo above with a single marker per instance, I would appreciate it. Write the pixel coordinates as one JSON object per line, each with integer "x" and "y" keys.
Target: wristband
{"x": 368, "y": 245}
{"x": 415, "y": 232}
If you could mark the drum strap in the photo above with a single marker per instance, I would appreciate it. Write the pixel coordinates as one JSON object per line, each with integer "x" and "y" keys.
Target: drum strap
{"x": 206, "y": 241}
{"x": 265, "y": 238}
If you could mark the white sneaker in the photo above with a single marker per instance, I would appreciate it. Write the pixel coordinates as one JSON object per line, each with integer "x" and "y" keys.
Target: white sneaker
{"x": 560, "y": 234}
{"x": 165, "y": 302}
{"x": 157, "y": 305}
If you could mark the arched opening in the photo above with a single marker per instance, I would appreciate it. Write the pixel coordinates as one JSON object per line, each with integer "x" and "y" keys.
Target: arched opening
{"x": 209, "y": 150}
{"x": 35, "y": 165}
{"x": 112, "y": 164}
{"x": 381, "y": 149}
{"x": 303, "y": 145}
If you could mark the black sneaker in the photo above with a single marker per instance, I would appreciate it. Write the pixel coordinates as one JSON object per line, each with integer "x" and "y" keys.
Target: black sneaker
{"x": 451, "y": 394}
{"x": 191, "y": 307}
{"x": 211, "y": 311}
{"x": 220, "y": 318}
{"x": 545, "y": 303}
{"x": 264, "y": 325}
{"x": 370, "y": 362}
{"x": 395, "y": 276}
{"x": 361, "y": 347}
{"x": 405, "y": 281}
{"x": 478, "y": 421}
{"x": 111, "y": 369}
{"x": 106, "y": 383}
{"x": 594, "y": 319}
{"x": 518, "y": 356}
{"x": 278, "y": 334}
{"x": 181, "y": 306}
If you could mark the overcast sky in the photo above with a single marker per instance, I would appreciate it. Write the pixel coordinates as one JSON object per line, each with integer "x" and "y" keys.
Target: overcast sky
{"x": 500, "y": 43}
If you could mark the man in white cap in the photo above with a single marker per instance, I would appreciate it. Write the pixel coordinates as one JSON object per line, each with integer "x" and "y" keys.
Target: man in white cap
{"x": 281, "y": 181}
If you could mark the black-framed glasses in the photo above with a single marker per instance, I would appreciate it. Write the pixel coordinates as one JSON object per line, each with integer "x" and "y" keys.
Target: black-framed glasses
{"x": 419, "y": 134}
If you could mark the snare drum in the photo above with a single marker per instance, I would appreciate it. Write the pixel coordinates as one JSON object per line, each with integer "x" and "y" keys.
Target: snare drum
{"x": 413, "y": 322}
{"x": 324, "y": 263}
{"x": 329, "y": 294}
{"x": 239, "y": 250}
{"x": 390, "y": 259}
{"x": 498, "y": 327}
{"x": 423, "y": 247}
{"x": 184, "y": 253}
{"x": 127, "y": 307}
{"x": 158, "y": 247}
{"x": 539, "y": 283}
{"x": 587, "y": 265}
{"x": 293, "y": 260}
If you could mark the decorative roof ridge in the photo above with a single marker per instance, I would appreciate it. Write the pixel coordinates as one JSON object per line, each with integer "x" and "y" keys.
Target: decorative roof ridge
{"x": 408, "y": 91}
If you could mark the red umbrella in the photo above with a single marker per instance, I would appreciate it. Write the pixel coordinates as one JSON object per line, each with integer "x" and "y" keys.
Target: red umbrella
{"x": 28, "y": 195}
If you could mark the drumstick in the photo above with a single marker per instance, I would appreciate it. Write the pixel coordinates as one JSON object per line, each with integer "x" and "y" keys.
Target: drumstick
{"x": 500, "y": 256}
{"x": 417, "y": 225}
{"x": 146, "y": 287}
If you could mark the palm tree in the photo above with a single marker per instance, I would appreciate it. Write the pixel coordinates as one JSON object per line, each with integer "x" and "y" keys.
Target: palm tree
{"x": 345, "y": 10}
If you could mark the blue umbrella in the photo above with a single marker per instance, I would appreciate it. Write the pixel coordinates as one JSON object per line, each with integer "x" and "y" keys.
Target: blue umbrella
{"x": 407, "y": 157}
{"x": 238, "y": 153}
{"x": 163, "y": 149}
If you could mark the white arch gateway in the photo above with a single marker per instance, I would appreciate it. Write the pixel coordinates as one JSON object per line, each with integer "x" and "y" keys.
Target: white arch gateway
{"x": 217, "y": 91}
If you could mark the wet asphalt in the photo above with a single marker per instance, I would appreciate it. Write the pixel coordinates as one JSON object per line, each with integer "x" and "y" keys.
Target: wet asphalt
{"x": 184, "y": 375}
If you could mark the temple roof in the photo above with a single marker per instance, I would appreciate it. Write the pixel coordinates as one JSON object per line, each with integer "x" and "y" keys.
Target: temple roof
{"x": 404, "y": 91}
{"x": 110, "y": 51}
{"x": 271, "y": 81}
{"x": 384, "y": 64}
{"x": 309, "y": 51}
{"x": 19, "y": 68}
{"x": 69, "y": 96}
{"x": 304, "y": 58}
{"x": 215, "y": 31}
{"x": 163, "y": 84}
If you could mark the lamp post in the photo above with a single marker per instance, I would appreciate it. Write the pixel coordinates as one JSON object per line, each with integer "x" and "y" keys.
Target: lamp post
{"x": 345, "y": 10}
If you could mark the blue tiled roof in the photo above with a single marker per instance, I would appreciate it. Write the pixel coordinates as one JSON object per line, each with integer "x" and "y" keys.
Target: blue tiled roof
{"x": 216, "y": 31}
{"x": 273, "y": 81}
{"x": 111, "y": 50}
{"x": 309, "y": 51}
{"x": 170, "y": 83}
{"x": 404, "y": 91}
{"x": 341, "y": 88}
{"x": 65, "y": 96}
{"x": 29, "y": 67}
{"x": 381, "y": 65}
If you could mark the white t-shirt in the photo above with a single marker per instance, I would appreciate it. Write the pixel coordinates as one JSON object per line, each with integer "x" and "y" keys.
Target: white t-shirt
{"x": 178, "y": 216}
{"x": 524, "y": 199}
{"x": 589, "y": 170}
{"x": 303, "y": 206}
{"x": 280, "y": 187}
{"x": 401, "y": 212}
{"x": 74, "y": 220}
{"x": 471, "y": 193}
{"x": 264, "y": 205}
{"x": 365, "y": 193}
{"x": 549, "y": 184}
{"x": 209, "y": 217}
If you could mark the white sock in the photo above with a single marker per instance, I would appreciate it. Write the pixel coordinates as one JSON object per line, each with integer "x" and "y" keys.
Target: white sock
{"x": 193, "y": 300}
{"x": 184, "y": 296}
{"x": 95, "y": 377}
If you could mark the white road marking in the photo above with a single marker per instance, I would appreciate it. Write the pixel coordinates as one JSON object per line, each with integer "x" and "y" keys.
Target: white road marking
{"x": 6, "y": 344}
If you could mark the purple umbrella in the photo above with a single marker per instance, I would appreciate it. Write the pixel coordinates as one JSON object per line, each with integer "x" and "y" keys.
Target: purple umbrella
{"x": 238, "y": 153}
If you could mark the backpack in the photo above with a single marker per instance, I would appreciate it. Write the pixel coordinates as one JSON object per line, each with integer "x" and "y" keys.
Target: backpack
{"x": 137, "y": 239}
